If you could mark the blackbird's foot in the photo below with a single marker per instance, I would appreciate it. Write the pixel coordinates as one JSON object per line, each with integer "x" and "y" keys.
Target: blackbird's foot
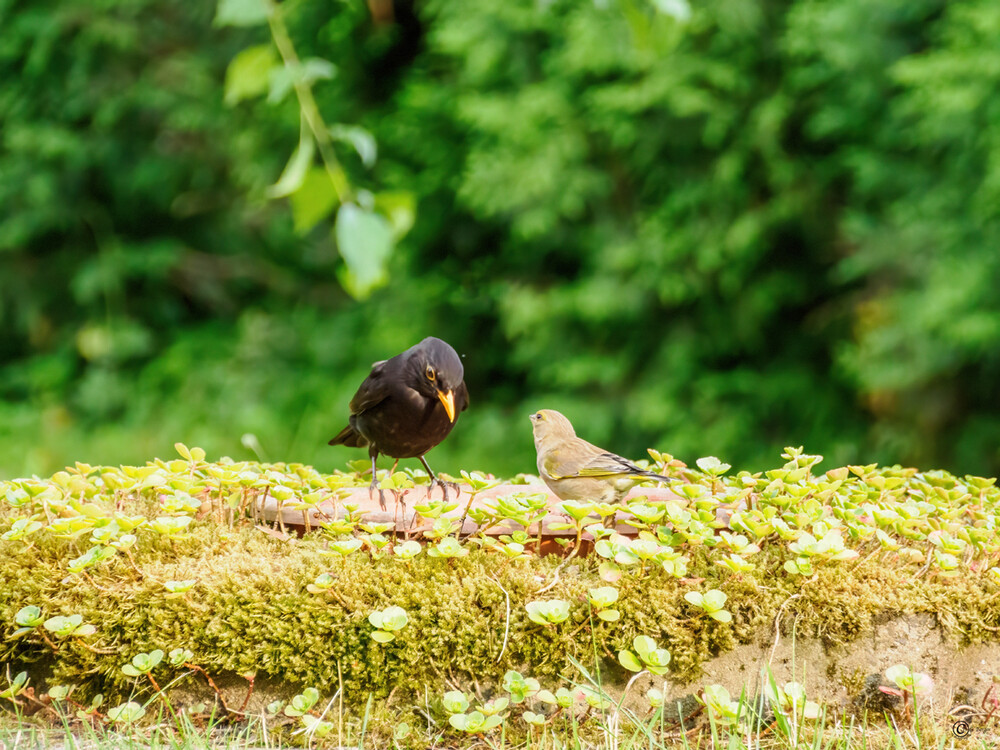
{"x": 444, "y": 487}
{"x": 438, "y": 482}
{"x": 372, "y": 488}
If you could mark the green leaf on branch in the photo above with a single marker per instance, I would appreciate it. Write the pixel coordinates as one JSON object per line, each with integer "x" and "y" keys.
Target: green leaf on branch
{"x": 365, "y": 241}
{"x": 362, "y": 141}
{"x": 400, "y": 208}
{"x": 242, "y": 12}
{"x": 313, "y": 200}
{"x": 248, "y": 74}
{"x": 298, "y": 165}
{"x": 284, "y": 78}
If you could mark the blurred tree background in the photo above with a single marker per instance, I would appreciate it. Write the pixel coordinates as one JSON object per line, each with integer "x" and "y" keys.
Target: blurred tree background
{"x": 712, "y": 229}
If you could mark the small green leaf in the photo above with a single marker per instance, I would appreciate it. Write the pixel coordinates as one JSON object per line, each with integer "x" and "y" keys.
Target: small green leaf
{"x": 628, "y": 660}
{"x": 382, "y": 636}
{"x": 179, "y": 655}
{"x": 714, "y": 599}
{"x": 362, "y": 141}
{"x": 16, "y": 685}
{"x": 455, "y": 702}
{"x": 407, "y": 550}
{"x": 345, "y": 546}
{"x": 400, "y": 208}
{"x": 365, "y": 241}
{"x": 298, "y": 165}
{"x": 247, "y": 74}
{"x": 313, "y": 201}
{"x": 495, "y": 706}
{"x": 603, "y": 596}
{"x": 695, "y": 598}
{"x": 29, "y": 617}
{"x": 394, "y": 618}
{"x": 532, "y": 718}
{"x": 643, "y": 645}
{"x": 242, "y": 12}
{"x": 126, "y": 713}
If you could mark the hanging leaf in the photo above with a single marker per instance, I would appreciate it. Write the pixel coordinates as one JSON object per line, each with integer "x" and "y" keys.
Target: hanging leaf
{"x": 400, "y": 208}
{"x": 295, "y": 171}
{"x": 284, "y": 78}
{"x": 361, "y": 139}
{"x": 313, "y": 200}
{"x": 242, "y": 12}
{"x": 248, "y": 74}
{"x": 679, "y": 9}
{"x": 364, "y": 239}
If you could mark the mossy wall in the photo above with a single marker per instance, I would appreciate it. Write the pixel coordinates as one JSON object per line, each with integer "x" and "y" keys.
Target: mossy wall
{"x": 250, "y": 612}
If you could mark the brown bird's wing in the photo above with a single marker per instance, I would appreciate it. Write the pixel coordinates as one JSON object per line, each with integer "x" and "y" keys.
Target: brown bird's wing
{"x": 608, "y": 464}
{"x": 567, "y": 459}
{"x": 578, "y": 458}
{"x": 373, "y": 391}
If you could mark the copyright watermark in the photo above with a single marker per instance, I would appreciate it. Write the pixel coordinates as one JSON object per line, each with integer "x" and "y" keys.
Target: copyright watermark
{"x": 961, "y": 729}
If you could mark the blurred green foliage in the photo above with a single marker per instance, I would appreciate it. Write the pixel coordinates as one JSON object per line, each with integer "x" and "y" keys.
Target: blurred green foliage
{"x": 713, "y": 230}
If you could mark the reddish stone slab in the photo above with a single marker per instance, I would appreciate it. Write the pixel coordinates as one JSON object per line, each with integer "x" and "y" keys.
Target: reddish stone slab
{"x": 406, "y": 520}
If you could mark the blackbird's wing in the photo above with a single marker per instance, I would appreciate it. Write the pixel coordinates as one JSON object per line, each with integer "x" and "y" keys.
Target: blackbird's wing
{"x": 373, "y": 390}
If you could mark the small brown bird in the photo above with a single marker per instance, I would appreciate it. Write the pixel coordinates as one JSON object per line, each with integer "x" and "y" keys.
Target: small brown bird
{"x": 577, "y": 470}
{"x": 407, "y": 405}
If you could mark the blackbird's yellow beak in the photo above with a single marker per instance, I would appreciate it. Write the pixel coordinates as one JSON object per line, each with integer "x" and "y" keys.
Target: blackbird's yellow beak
{"x": 448, "y": 401}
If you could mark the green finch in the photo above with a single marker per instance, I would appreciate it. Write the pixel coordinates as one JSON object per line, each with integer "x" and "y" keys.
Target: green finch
{"x": 577, "y": 470}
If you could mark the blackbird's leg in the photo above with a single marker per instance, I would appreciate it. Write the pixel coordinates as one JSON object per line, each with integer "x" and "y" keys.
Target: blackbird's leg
{"x": 439, "y": 482}
{"x": 374, "y": 485}
{"x": 397, "y": 495}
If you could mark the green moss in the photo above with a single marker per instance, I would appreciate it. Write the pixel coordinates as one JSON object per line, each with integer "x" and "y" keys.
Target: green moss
{"x": 250, "y": 611}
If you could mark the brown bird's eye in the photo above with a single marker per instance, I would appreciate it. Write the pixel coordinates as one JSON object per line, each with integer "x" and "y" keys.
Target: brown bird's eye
{"x": 429, "y": 372}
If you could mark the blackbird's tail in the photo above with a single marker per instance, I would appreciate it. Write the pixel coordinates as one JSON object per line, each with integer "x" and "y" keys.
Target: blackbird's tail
{"x": 349, "y": 437}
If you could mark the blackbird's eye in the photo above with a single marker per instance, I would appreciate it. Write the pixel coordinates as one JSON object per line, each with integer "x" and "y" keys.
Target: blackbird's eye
{"x": 429, "y": 372}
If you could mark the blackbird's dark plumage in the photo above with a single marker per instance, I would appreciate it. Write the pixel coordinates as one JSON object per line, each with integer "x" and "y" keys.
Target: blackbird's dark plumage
{"x": 407, "y": 404}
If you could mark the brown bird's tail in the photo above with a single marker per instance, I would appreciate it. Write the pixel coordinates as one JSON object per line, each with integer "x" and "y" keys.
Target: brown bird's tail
{"x": 349, "y": 437}
{"x": 651, "y": 475}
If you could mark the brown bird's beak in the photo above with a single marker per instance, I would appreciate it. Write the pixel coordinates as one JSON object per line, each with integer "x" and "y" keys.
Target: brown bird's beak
{"x": 448, "y": 401}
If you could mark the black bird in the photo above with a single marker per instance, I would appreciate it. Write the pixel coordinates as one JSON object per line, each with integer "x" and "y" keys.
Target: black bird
{"x": 407, "y": 405}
